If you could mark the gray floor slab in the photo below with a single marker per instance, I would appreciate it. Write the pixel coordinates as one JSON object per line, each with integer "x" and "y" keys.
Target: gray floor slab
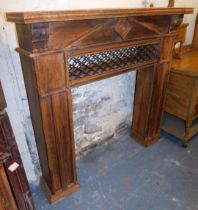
{"x": 122, "y": 175}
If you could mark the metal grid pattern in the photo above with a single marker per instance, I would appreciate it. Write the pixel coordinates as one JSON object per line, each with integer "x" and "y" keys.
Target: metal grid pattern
{"x": 94, "y": 64}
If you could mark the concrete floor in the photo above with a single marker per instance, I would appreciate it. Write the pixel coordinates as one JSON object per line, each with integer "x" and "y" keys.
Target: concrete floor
{"x": 122, "y": 175}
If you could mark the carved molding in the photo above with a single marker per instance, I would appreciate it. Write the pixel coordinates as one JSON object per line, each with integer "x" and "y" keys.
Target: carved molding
{"x": 176, "y": 21}
{"x": 40, "y": 36}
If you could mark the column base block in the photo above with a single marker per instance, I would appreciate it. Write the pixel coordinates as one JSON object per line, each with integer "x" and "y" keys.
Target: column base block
{"x": 53, "y": 198}
{"x": 145, "y": 142}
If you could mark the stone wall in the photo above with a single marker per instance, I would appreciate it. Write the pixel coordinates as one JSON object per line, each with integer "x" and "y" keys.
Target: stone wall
{"x": 102, "y": 109}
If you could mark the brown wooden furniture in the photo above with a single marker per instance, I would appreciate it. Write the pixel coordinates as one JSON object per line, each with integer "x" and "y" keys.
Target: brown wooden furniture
{"x": 180, "y": 39}
{"x": 195, "y": 37}
{"x": 63, "y": 49}
{"x": 14, "y": 188}
{"x": 182, "y": 98}
{"x": 171, "y": 3}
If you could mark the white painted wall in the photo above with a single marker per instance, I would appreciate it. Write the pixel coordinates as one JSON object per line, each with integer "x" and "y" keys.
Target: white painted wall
{"x": 189, "y": 18}
{"x": 10, "y": 70}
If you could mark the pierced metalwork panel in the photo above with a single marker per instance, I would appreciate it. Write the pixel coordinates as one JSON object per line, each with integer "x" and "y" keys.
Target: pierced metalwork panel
{"x": 94, "y": 64}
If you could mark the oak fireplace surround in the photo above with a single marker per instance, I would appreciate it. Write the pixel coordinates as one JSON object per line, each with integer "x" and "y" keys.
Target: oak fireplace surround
{"x": 63, "y": 49}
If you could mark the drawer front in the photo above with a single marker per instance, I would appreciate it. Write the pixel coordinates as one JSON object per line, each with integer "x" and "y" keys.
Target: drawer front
{"x": 179, "y": 92}
{"x": 195, "y": 114}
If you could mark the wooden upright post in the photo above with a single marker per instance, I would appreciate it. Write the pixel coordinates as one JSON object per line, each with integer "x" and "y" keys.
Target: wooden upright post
{"x": 171, "y": 3}
{"x": 195, "y": 38}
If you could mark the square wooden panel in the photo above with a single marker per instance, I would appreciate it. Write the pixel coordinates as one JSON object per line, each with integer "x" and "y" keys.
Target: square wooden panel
{"x": 50, "y": 73}
{"x": 179, "y": 93}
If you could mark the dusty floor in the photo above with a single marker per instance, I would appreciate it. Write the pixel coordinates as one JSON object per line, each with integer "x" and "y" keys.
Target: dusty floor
{"x": 124, "y": 176}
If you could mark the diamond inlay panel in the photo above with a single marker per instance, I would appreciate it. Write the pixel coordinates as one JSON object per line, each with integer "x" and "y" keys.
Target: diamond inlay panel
{"x": 95, "y": 64}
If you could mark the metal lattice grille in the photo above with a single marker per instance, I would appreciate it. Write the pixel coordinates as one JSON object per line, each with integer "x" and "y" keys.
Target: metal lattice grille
{"x": 94, "y": 64}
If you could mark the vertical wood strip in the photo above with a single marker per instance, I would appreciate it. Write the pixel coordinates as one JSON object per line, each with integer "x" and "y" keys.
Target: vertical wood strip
{"x": 52, "y": 153}
{"x": 63, "y": 139}
{"x": 71, "y": 128}
{"x": 143, "y": 94}
{"x": 158, "y": 99}
{"x": 7, "y": 201}
{"x": 28, "y": 67}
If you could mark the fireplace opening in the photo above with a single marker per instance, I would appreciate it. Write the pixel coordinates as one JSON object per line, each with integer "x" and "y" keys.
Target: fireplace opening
{"x": 102, "y": 110}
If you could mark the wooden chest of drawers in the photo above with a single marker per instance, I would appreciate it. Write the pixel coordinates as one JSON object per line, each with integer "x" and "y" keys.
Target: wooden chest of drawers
{"x": 182, "y": 98}
{"x": 14, "y": 189}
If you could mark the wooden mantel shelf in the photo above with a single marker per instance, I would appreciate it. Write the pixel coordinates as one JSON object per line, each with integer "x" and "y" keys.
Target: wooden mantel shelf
{"x": 63, "y": 49}
{"x": 51, "y": 16}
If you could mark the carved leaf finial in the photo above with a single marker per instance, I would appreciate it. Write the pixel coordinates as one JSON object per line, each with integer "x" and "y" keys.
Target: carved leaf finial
{"x": 176, "y": 21}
